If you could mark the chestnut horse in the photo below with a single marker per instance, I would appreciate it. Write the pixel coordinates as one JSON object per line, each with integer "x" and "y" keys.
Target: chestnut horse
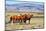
{"x": 14, "y": 18}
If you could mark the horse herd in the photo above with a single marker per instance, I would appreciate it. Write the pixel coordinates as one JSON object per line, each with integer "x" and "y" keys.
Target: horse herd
{"x": 21, "y": 18}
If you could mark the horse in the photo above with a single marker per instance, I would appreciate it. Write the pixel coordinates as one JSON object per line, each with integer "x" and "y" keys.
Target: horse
{"x": 21, "y": 18}
{"x": 28, "y": 17}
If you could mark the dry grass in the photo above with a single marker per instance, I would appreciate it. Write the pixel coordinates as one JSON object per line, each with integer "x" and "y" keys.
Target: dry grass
{"x": 34, "y": 23}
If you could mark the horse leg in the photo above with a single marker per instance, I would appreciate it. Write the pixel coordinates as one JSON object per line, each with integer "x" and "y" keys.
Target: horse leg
{"x": 24, "y": 21}
{"x": 29, "y": 21}
{"x": 18, "y": 20}
{"x": 21, "y": 21}
{"x": 10, "y": 21}
{"x": 13, "y": 21}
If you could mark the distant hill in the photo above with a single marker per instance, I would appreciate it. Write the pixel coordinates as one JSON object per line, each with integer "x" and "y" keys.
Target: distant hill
{"x": 25, "y": 7}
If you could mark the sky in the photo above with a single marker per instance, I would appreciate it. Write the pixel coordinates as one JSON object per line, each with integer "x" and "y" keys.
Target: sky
{"x": 27, "y": 0}
{"x": 36, "y": 5}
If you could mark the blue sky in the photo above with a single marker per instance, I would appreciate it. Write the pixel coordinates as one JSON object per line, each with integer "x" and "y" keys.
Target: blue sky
{"x": 24, "y": 5}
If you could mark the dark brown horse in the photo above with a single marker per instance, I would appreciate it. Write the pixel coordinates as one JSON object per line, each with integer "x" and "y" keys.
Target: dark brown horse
{"x": 28, "y": 17}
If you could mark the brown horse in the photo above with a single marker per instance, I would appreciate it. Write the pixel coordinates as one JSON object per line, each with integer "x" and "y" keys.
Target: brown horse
{"x": 14, "y": 18}
{"x": 28, "y": 17}
{"x": 21, "y": 18}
